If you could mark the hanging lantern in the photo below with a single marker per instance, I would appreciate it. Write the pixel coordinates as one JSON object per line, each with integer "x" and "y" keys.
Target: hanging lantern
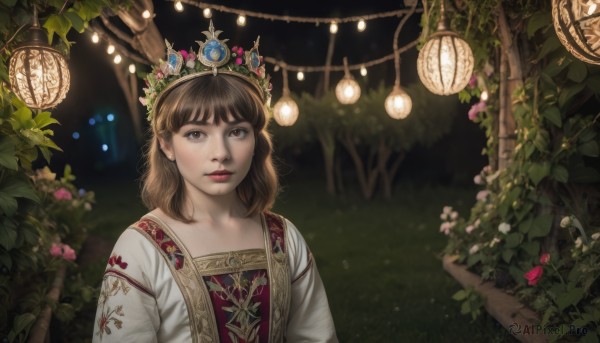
{"x": 38, "y": 74}
{"x": 398, "y": 104}
{"x": 285, "y": 110}
{"x": 577, "y": 25}
{"x": 445, "y": 63}
{"x": 347, "y": 90}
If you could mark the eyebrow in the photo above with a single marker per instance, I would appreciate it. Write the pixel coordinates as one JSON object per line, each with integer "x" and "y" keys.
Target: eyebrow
{"x": 203, "y": 123}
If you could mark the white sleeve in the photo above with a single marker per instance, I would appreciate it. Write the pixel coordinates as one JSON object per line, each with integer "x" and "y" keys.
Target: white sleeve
{"x": 310, "y": 319}
{"x": 127, "y": 310}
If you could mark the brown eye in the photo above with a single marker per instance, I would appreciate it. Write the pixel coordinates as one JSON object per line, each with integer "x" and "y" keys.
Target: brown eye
{"x": 238, "y": 133}
{"x": 194, "y": 135}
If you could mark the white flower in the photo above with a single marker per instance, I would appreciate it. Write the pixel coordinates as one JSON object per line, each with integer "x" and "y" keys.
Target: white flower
{"x": 474, "y": 249}
{"x": 190, "y": 64}
{"x": 566, "y": 222}
{"x": 584, "y": 248}
{"x": 445, "y": 228}
{"x": 443, "y": 216}
{"x": 596, "y": 236}
{"x": 469, "y": 229}
{"x": 454, "y": 215}
{"x": 477, "y": 222}
{"x": 578, "y": 242}
{"x": 504, "y": 228}
{"x": 478, "y": 180}
{"x": 447, "y": 209}
{"x": 481, "y": 195}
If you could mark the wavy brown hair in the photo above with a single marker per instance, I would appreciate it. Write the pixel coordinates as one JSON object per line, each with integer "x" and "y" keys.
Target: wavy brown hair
{"x": 200, "y": 99}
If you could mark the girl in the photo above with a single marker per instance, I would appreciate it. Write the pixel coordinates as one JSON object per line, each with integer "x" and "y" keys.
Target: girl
{"x": 209, "y": 262}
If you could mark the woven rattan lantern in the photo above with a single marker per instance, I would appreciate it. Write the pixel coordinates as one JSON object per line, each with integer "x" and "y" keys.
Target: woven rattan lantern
{"x": 445, "y": 62}
{"x": 38, "y": 74}
{"x": 577, "y": 25}
{"x": 347, "y": 90}
{"x": 285, "y": 110}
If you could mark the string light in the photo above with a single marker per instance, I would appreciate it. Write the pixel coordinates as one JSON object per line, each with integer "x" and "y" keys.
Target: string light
{"x": 117, "y": 59}
{"x": 207, "y": 13}
{"x": 363, "y": 71}
{"x": 484, "y": 96}
{"x": 300, "y": 76}
{"x": 132, "y": 68}
{"x": 178, "y": 6}
{"x": 333, "y": 28}
{"x": 95, "y": 38}
{"x": 241, "y": 20}
{"x": 285, "y": 110}
{"x": 110, "y": 49}
{"x": 347, "y": 90}
{"x": 146, "y": 14}
{"x": 361, "y": 26}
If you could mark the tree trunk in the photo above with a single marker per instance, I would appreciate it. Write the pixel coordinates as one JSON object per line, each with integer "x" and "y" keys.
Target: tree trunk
{"x": 508, "y": 84}
{"x": 328, "y": 146}
{"x": 39, "y": 331}
{"x": 128, "y": 83}
{"x": 339, "y": 180}
{"x": 387, "y": 174}
{"x": 367, "y": 177}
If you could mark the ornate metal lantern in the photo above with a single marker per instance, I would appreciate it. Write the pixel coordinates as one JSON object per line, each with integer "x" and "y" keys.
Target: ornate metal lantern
{"x": 577, "y": 25}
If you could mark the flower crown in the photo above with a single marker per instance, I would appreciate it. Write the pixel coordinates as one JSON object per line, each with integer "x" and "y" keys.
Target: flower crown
{"x": 213, "y": 57}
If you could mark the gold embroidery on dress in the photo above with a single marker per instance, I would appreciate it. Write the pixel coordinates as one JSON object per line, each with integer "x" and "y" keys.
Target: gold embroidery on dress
{"x": 231, "y": 262}
{"x": 109, "y": 315}
{"x": 280, "y": 285}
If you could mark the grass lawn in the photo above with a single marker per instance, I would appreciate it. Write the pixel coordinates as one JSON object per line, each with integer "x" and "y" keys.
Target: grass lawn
{"x": 379, "y": 260}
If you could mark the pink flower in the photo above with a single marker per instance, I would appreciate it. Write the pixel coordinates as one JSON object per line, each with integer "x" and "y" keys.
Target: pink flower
{"x": 478, "y": 180}
{"x": 545, "y": 258}
{"x": 469, "y": 229}
{"x": 184, "y": 54}
{"x": 238, "y": 61}
{"x": 62, "y": 194}
{"x": 240, "y": 51}
{"x": 534, "y": 275}
{"x": 159, "y": 75}
{"x": 56, "y": 249}
{"x": 481, "y": 195}
{"x": 68, "y": 253}
{"x": 473, "y": 81}
{"x": 234, "y": 49}
{"x": 476, "y": 109}
{"x": 143, "y": 101}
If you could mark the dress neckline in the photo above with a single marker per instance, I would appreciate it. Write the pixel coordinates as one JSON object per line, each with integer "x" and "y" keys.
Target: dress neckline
{"x": 172, "y": 233}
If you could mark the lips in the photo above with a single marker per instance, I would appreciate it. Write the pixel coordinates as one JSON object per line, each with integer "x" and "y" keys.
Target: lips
{"x": 220, "y": 172}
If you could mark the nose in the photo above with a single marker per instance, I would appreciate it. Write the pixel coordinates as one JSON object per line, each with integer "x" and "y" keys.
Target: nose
{"x": 220, "y": 150}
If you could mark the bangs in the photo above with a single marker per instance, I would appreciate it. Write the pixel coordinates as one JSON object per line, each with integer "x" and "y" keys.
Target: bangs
{"x": 218, "y": 98}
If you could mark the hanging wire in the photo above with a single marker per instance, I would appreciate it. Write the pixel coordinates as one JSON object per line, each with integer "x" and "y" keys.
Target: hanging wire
{"x": 286, "y": 89}
{"x": 288, "y": 19}
{"x": 395, "y": 43}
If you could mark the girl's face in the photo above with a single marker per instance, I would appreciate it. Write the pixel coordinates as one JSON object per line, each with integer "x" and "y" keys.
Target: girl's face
{"x": 212, "y": 159}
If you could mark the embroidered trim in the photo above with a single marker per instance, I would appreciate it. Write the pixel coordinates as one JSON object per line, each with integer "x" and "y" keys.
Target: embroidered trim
{"x": 231, "y": 262}
{"x": 279, "y": 276}
{"x": 307, "y": 268}
{"x": 131, "y": 281}
{"x": 200, "y": 312}
{"x": 164, "y": 241}
{"x": 109, "y": 315}
{"x": 116, "y": 259}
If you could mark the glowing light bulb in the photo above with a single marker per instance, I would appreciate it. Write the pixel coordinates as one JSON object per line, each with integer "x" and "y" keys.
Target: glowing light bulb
{"x": 241, "y": 20}
{"x": 95, "y": 38}
{"x": 132, "y": 68}
{"x": 146, "y": 14}
{"x": 361, "y": 26}
{"x": 117, "y": 59}
{"x": 333, "y": 28}
{"x": 178, "y": 6}
{"x": 300, "y": 76}
{"x": 592, "y": 9}
{"x": 484, "y": 96}
{"x": 207, "y": 13}
{"x": 363, "y": 71}
{"x": 110, "y": 49}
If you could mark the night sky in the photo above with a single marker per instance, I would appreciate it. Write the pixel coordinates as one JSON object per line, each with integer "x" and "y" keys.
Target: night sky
{"x": 94, "y": 90}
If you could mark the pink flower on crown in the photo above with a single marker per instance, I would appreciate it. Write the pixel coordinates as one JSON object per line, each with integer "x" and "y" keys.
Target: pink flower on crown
{"x": 159, "y": 75}
{"x": 184, "y": 54}
{"x": 260, "y": 72}
{"x": 240, "y": 51}
{"x": 234, "y": 49}
{"x": 238, "y": 61}
{"x": 143, "y": 101}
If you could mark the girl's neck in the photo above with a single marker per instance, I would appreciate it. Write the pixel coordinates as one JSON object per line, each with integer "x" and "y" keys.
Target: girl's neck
{"x": 214, "y": 208}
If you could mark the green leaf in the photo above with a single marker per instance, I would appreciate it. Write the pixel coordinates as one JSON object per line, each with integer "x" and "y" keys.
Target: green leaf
{"x": 568, "y": 93}
{"x": 577, "y": 71}
{"x": 8, "y": 234}
{"x": 18, "y": 188}
{"x": 8, "y": 158}
{"x": 541, "y": 226}
{"x": 507, "y": 255}
{"x": 21, "y": 119}
{"x": 44, "y": 119}
{"x": 560, "y": 173}
{"x": 23, "y": 323}
{"x": 537, "y": 21}
{"x": 589, "y": 149}
{"x": 555, "y": 67}
{"x": 460, "y": 295}
{"x": 539, "y": 171}
{"x": 58, "y": 24}
{"x": 553, "y": 115}
{"x": 525, "y": 225}
{"x": 532, "y": 248}
{"x": 76, "y": 21}
{"x": 552, "y": 43}
{"x": 514, "y": 239}
{"x": 9, "y": 3}
{"x": 570, "y": 298}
